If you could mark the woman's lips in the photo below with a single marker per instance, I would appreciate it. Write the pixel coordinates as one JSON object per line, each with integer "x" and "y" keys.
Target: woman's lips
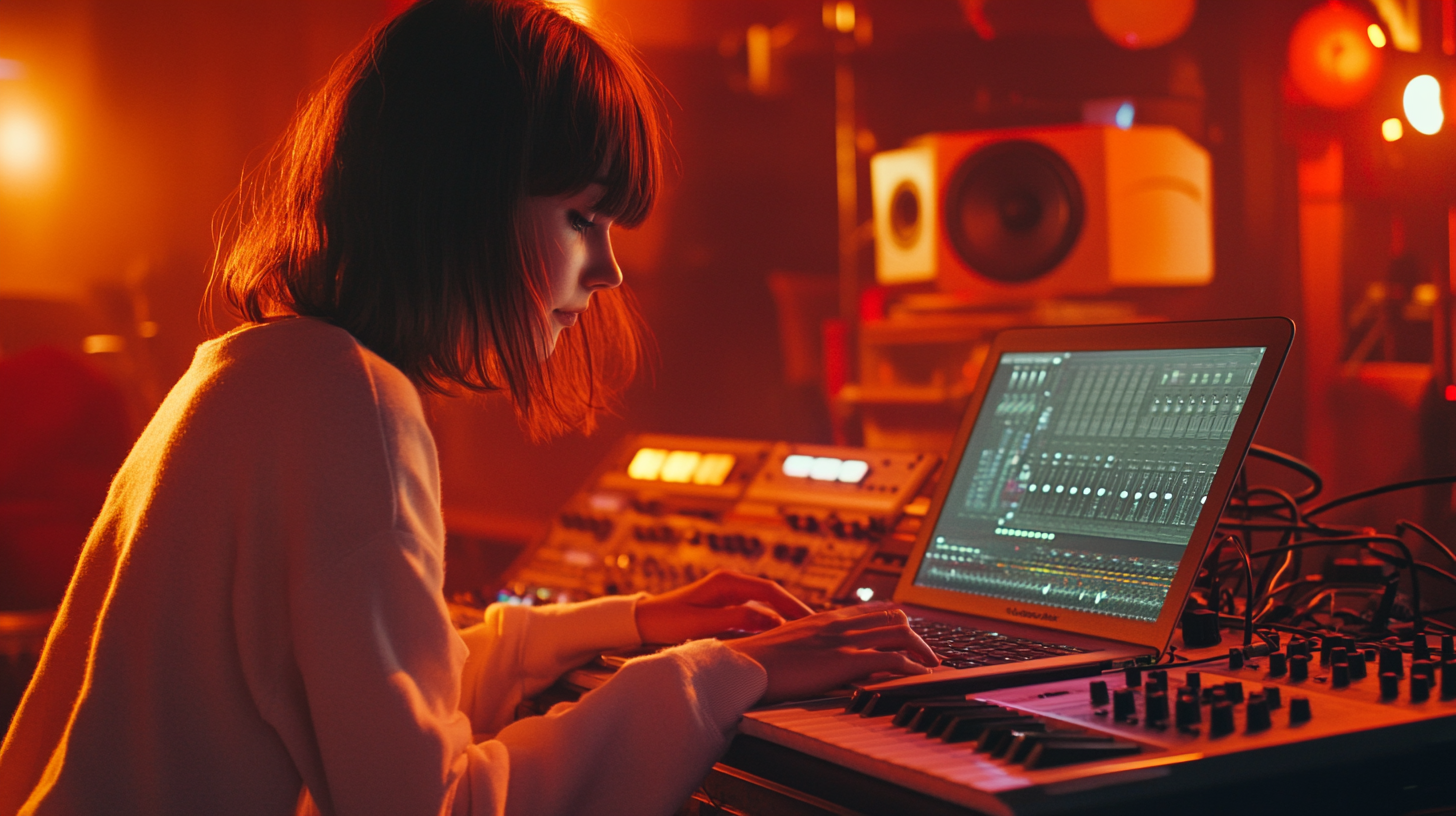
{"x": 566, "y": 318}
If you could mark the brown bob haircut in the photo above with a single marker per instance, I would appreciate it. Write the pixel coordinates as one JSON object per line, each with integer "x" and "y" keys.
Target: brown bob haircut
{"x": 391, "y": 207}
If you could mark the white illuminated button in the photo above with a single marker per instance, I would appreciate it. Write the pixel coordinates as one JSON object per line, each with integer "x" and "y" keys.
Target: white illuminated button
{"x": 852, "y": 470}
{"x": 798, "y": 465}
{"x": 865, "y": 594}
{"x": 646, "y": 464}
{"x": 825, "y": 469}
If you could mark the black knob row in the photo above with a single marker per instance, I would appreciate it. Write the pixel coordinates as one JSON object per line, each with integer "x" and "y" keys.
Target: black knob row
{"x": 1187, "y": 712}
{"x": 599, "y": 526}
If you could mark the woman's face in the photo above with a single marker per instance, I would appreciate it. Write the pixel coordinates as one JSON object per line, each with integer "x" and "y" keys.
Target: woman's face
{"x": 576, "y": 246}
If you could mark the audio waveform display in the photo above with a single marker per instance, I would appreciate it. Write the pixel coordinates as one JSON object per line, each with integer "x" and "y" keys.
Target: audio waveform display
{"x": 1125, "y": 586}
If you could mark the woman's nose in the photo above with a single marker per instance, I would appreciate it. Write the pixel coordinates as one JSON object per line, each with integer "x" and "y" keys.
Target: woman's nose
{"x": 602, "y": 271}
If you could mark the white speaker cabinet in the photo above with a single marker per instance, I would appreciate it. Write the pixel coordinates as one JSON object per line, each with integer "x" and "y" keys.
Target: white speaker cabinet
{"x": 1035, "y": 213}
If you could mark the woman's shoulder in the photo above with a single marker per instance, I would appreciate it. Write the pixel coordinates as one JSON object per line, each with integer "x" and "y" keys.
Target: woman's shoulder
{"x": 304, "y": 356}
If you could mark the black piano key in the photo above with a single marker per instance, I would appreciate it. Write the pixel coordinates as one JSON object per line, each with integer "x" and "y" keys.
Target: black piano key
{"x": 858, "y": 700}
{"x": 1022, "y": 746}
{"x": 967, "y": 729}
{"x": 926, "y": 718}
{"x": 1014, "y": 736}
{"x": 907, "y": 712}
{"x": 883, "y": 703}
{"x": 1056, "y": 753}
{"x": 999, "y": 738}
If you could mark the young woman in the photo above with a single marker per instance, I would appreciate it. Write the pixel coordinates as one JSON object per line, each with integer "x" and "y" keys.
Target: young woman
{"x": 256, "y": 625}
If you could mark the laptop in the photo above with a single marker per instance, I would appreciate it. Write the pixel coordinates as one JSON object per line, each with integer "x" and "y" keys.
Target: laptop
{"x": 1081, "y": 495}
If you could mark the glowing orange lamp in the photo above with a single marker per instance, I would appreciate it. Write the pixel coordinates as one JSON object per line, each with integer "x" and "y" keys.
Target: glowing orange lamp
{"x": 1139, "y": 24}
{"x": 1332, "y": 60}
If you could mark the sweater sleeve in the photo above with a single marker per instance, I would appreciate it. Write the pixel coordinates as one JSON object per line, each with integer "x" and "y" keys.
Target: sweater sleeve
{"x": 640, "y": 742}
{"x": 381, "y": 665}
{"x": 517, "y": 652}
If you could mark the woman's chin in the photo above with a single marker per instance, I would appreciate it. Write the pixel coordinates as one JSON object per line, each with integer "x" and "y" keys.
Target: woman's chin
{"x": 548, "y": 343}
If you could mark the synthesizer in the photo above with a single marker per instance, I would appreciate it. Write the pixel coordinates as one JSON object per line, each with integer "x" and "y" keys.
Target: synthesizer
{"x": 662, "y": 511}
{"x": 1079, "y": 745}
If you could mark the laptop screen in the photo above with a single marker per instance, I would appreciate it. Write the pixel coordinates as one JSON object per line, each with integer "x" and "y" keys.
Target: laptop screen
{"x": 1084, "y": 475}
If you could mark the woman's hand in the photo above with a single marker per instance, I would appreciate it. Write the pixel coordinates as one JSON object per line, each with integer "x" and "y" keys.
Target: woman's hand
{"x": 723, "y": 601}
{"x": 816, "y": 653}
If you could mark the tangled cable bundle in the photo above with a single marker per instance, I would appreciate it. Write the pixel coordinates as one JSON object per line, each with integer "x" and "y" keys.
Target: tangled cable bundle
{"x": 1272, "y": 528}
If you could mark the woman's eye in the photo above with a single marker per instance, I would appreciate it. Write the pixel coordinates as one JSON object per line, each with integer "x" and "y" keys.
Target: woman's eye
{"x": 579, "y": 222}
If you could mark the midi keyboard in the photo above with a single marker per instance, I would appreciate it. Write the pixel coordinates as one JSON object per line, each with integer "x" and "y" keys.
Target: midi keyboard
{"x": 1079, "y": 745}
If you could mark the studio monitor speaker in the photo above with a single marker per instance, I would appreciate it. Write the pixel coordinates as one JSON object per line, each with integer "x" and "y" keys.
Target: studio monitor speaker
{"x": 1046, "y": 212}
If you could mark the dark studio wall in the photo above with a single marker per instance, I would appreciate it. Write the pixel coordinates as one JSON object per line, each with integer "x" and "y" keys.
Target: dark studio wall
{"x": 176, "y": 99}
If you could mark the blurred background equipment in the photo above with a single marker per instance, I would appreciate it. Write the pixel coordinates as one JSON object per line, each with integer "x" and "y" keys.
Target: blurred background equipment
{"x": 22, "y": 636}
{"x": 65, "y": 427}
{"x": 1022, "y": 214}
{"x": 663, "y": 511}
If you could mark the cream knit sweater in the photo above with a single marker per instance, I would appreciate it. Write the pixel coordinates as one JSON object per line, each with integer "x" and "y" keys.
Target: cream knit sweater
{"x": 256, "y": 627}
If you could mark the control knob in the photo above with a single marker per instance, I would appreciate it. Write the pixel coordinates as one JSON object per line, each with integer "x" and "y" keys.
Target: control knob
{"x": 1200, "y": 628}
{"x": 1357, "y": 666}
{"x": 1257, "y": 713}
{"x": 1272, "y": 697}
{"x": 1155, "y": 705}
{"x": 1420, "y": 688}
{"x": 1186, "y": 711}
{"x": 1299, "y": 668}
{"x": 1235, "y": 691}
{"x": 1392, "y": 661}
{"x": 1424, "y": 668}
{"x": 1124, "y": 705}
{"x": 1278, "y": 664}
{"x": 1221, "y": 719}
{"x": 1389, "y": 685}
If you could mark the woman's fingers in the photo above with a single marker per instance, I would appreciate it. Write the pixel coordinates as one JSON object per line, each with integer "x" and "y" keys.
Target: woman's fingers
{"x": 727, "y": 587}
{"x": 871, "y": 662}
{"x": 896, "y": 638}
{"x": 868, "y": 619}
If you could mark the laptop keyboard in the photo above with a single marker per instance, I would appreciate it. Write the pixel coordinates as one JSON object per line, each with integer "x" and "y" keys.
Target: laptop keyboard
{"x": 960, "y": 647}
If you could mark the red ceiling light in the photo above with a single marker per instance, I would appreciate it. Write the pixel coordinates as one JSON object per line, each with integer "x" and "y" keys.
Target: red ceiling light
{"x": 1331, "y": 58}
{"x": 1139, "y": 24}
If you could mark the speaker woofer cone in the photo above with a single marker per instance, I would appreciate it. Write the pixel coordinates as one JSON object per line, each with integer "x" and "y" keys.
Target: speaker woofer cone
{"x": 1014, "y": 210}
